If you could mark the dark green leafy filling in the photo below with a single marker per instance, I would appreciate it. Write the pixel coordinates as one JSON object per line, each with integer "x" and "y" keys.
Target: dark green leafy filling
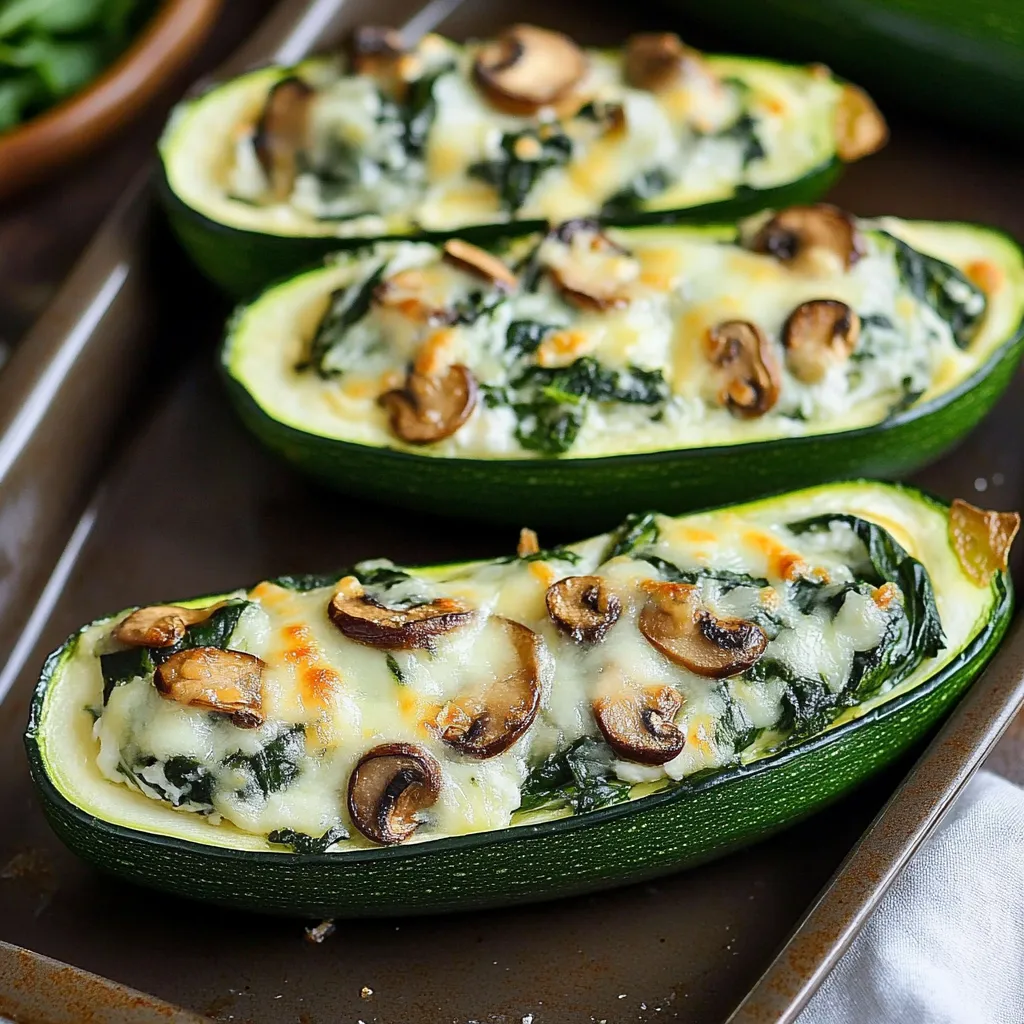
{"x": 511, "y": 176}
{"x": 189, "y": 781}
{"x": 580, "y": 776}
{"x": 300, "y": 842}
{"x": 272, "y": 768}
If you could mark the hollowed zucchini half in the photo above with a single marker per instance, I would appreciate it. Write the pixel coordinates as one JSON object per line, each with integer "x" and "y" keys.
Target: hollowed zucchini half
{"x": 674, "y": 367}
{"x": 268, "y": 172}
{"x": 616, "y": 778}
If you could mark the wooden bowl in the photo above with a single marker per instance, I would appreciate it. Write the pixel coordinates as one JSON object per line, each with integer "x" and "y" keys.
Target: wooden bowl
{"x": 70, "y": 129}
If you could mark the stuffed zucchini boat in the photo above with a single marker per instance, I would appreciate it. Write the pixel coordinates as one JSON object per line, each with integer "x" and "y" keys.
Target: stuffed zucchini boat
{"x": 590, "y": 371}
{"x": 273, "y": 169}
{"x": 396, "y": 739}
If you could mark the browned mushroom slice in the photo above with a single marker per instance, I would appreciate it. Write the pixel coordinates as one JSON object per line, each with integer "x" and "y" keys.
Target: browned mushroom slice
{"x": 281, "y": 134}
{"x": 583, "y": 607}
{"x": 475, "y": 260}
{"x": 817, "y": 335}
{"x": 160, "y": 625}
{"x": 675, "y": 623}
{"x": 748, "y": 372}
{"x": 431, "y": 407}
{"x": 419, "y": 293}
{"x": 639, "y": 726}
{"x": 859, "y": 125}
{"x": 215, "y": 680}
{"x": 368, "y": 622}
{"x": 486, "y": 724}
{"x": 801, "y": 235}
{"x": 526, "y": 68}
{"x": 388, "y": 788}
{"x": 591, "y": 270}
{"x": 656, "y": 60}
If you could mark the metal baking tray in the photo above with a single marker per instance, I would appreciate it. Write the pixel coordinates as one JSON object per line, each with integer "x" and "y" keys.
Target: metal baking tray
{"x": 125, "y": 478}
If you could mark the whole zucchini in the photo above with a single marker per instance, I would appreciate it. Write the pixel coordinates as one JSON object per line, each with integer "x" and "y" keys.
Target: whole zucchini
{"x": 549, "y": 722}
{"x": 587, "y": 372}
{"x": 270, "y": 171}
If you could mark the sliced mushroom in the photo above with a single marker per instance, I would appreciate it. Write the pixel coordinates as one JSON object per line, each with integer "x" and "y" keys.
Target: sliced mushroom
{"x": 215, "y": 680}
{"x": 639, "y": 726}
{"x": 592, "y": 271}
{"x": 368, "y": 622}
{"x": 526, "y": 68}
{"x": 583, "y": 607}
{"x": 160, "y": 625}
{"x": 656, "y": 60}
{"x": 748, "y": 372}
{"x": 431, "y": 407}
{"x": 419, "y": 293}
{"x": 808, "y": 238}
{"x": 675, "y": 623}
{"x": 475, "y": 260}
{"x": 817, "y": 335}
{"x": 859, "y": 125}
{"x": 282, "y": 134}
{"x": 389, "y": 787}
{"x": 981, "y": 539}
{"x": 488, "y": 723}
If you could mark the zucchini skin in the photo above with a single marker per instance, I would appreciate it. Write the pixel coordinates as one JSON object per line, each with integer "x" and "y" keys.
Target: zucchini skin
{"x": 655, "y": 835}
{"x": 596, "y": 493}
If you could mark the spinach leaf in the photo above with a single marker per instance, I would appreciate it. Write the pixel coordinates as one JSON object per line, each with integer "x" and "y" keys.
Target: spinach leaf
{"x": 955, "y": 299}
{"x": 346, "y": 308}
{"x": 380, "y": 576}
{"x": 550, "y": 403}
{"x": 124, "y": 666}
{"x": 581, "y": 775}
{"x": 734, "y": 729}
{"x": 514, "y": 177}
{"x": 807, "y": 703}
{"x": 555, "y": 554}
{"x": 638, "y": 530}
{"x": 395, "y": 669}
{"x": 523, "y": 337}
{"x": 306, "y": 581}
{"x": 910, "y": 395}
{"x": 274, "y": 767}
{"x": 729, "y": 580}
{"x": 300, "y": 842}
{"x": 744, "y": 131}
{"x": 643, "y": 187}
{"x": 419, "y": 110}
{"x": 188, "y": 781}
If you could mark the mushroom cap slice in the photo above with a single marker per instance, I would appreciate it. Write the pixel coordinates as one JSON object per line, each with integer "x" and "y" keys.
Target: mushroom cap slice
{"x": 591, "y": 270}
{"x": 215, "y": 680}
{"x": 805, "y": 237}
{"x": 388, "y": 787}
{"x": 749, "y": 377}
{"x": 583, "y": 607}
{"x": 483, "y": 264}
{"x": 674, "y": 622}
{"x": 817, "y": 335}
{"x": 368, "y": 622}
{"x": 487, "y": 724}
{"x": 431, "y": 407}
{"x": 638, "y": 724}
{"x": 282, "y": 133}
{"x": 656, "y": 60}
{"x": 161, "y": 625}
{"x": 859, "y": 126}
{"x": 526, "y": 68}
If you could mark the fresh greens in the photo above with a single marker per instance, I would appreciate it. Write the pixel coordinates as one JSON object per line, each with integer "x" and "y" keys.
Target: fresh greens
{"x": 581, "y": 776}
{"x": 346, "y": 308}
{"x": 300, "y": 842}
{"x": 955, "y": 299}
{"x": 523, "y": 337}
{"x": 50, "y": 49}
{"x": 550, "y": 403}
{"x": 394, "y": 668}
{"x": 638, "y": 530}
{"x": 513, "y": 173}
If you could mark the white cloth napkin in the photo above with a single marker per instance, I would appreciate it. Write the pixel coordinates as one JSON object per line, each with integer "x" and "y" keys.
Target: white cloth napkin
{"x": 946, "y": 944}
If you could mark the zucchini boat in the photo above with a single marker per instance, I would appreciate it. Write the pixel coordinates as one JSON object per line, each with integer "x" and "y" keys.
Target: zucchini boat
{"x": 403, "y": 740}
{"x": 272, "y": 170}
{"x": 587, "y": 372}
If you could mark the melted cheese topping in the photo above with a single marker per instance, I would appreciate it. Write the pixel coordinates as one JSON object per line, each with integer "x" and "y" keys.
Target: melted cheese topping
{"x": 327, "y": 699}
{"x": 675, "y": 284}
{"x": 737, "y": 123}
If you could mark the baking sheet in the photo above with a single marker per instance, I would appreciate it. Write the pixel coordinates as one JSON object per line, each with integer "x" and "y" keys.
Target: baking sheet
{"x": 188, "y": 504}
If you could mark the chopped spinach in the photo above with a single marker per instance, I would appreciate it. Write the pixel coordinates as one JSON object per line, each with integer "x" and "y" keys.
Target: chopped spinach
{"x": 734, "y": 729}
{"x": 346, "y": 308}
{"x": 274, "y": 767}
{"x": 910, "y": 395}
{"x": 581, "y": 776}
{"x": 523, "y": 337}
{"x": 395, "y": 669}
{"x": 643, "y": 187}
{"x": 380, "y": 576}
{"x": 638, "y": 530}
{"x": 188, "y": 781}
{"x": 729, "y": 580}
{"x": 512, "y": 176}
{"x": 555, "y": 554}
{"x": 744, "y": 131}
{"x": 419, "y": 109}
{"x": 476, "y": 304}
{"x": 306, "y": 581}
{"x": 300, "y": 842}
{"x": 122, "y": 667}
{"x": 955, "y": 299}
{"x": 550, "y": 403}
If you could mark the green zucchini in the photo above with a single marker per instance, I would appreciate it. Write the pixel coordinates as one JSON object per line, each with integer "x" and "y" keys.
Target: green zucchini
{"x": 596, "y": 388}
{"x": 419, "y": 145}
{"x": 555, "y": 721}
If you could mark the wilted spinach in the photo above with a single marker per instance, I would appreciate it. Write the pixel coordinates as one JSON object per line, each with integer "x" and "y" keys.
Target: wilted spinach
{"x": 300, "y": 842}
{"x": 272, "y": 768}
{"x": 514, "y": 177}
{"x": 581, "y": 776}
